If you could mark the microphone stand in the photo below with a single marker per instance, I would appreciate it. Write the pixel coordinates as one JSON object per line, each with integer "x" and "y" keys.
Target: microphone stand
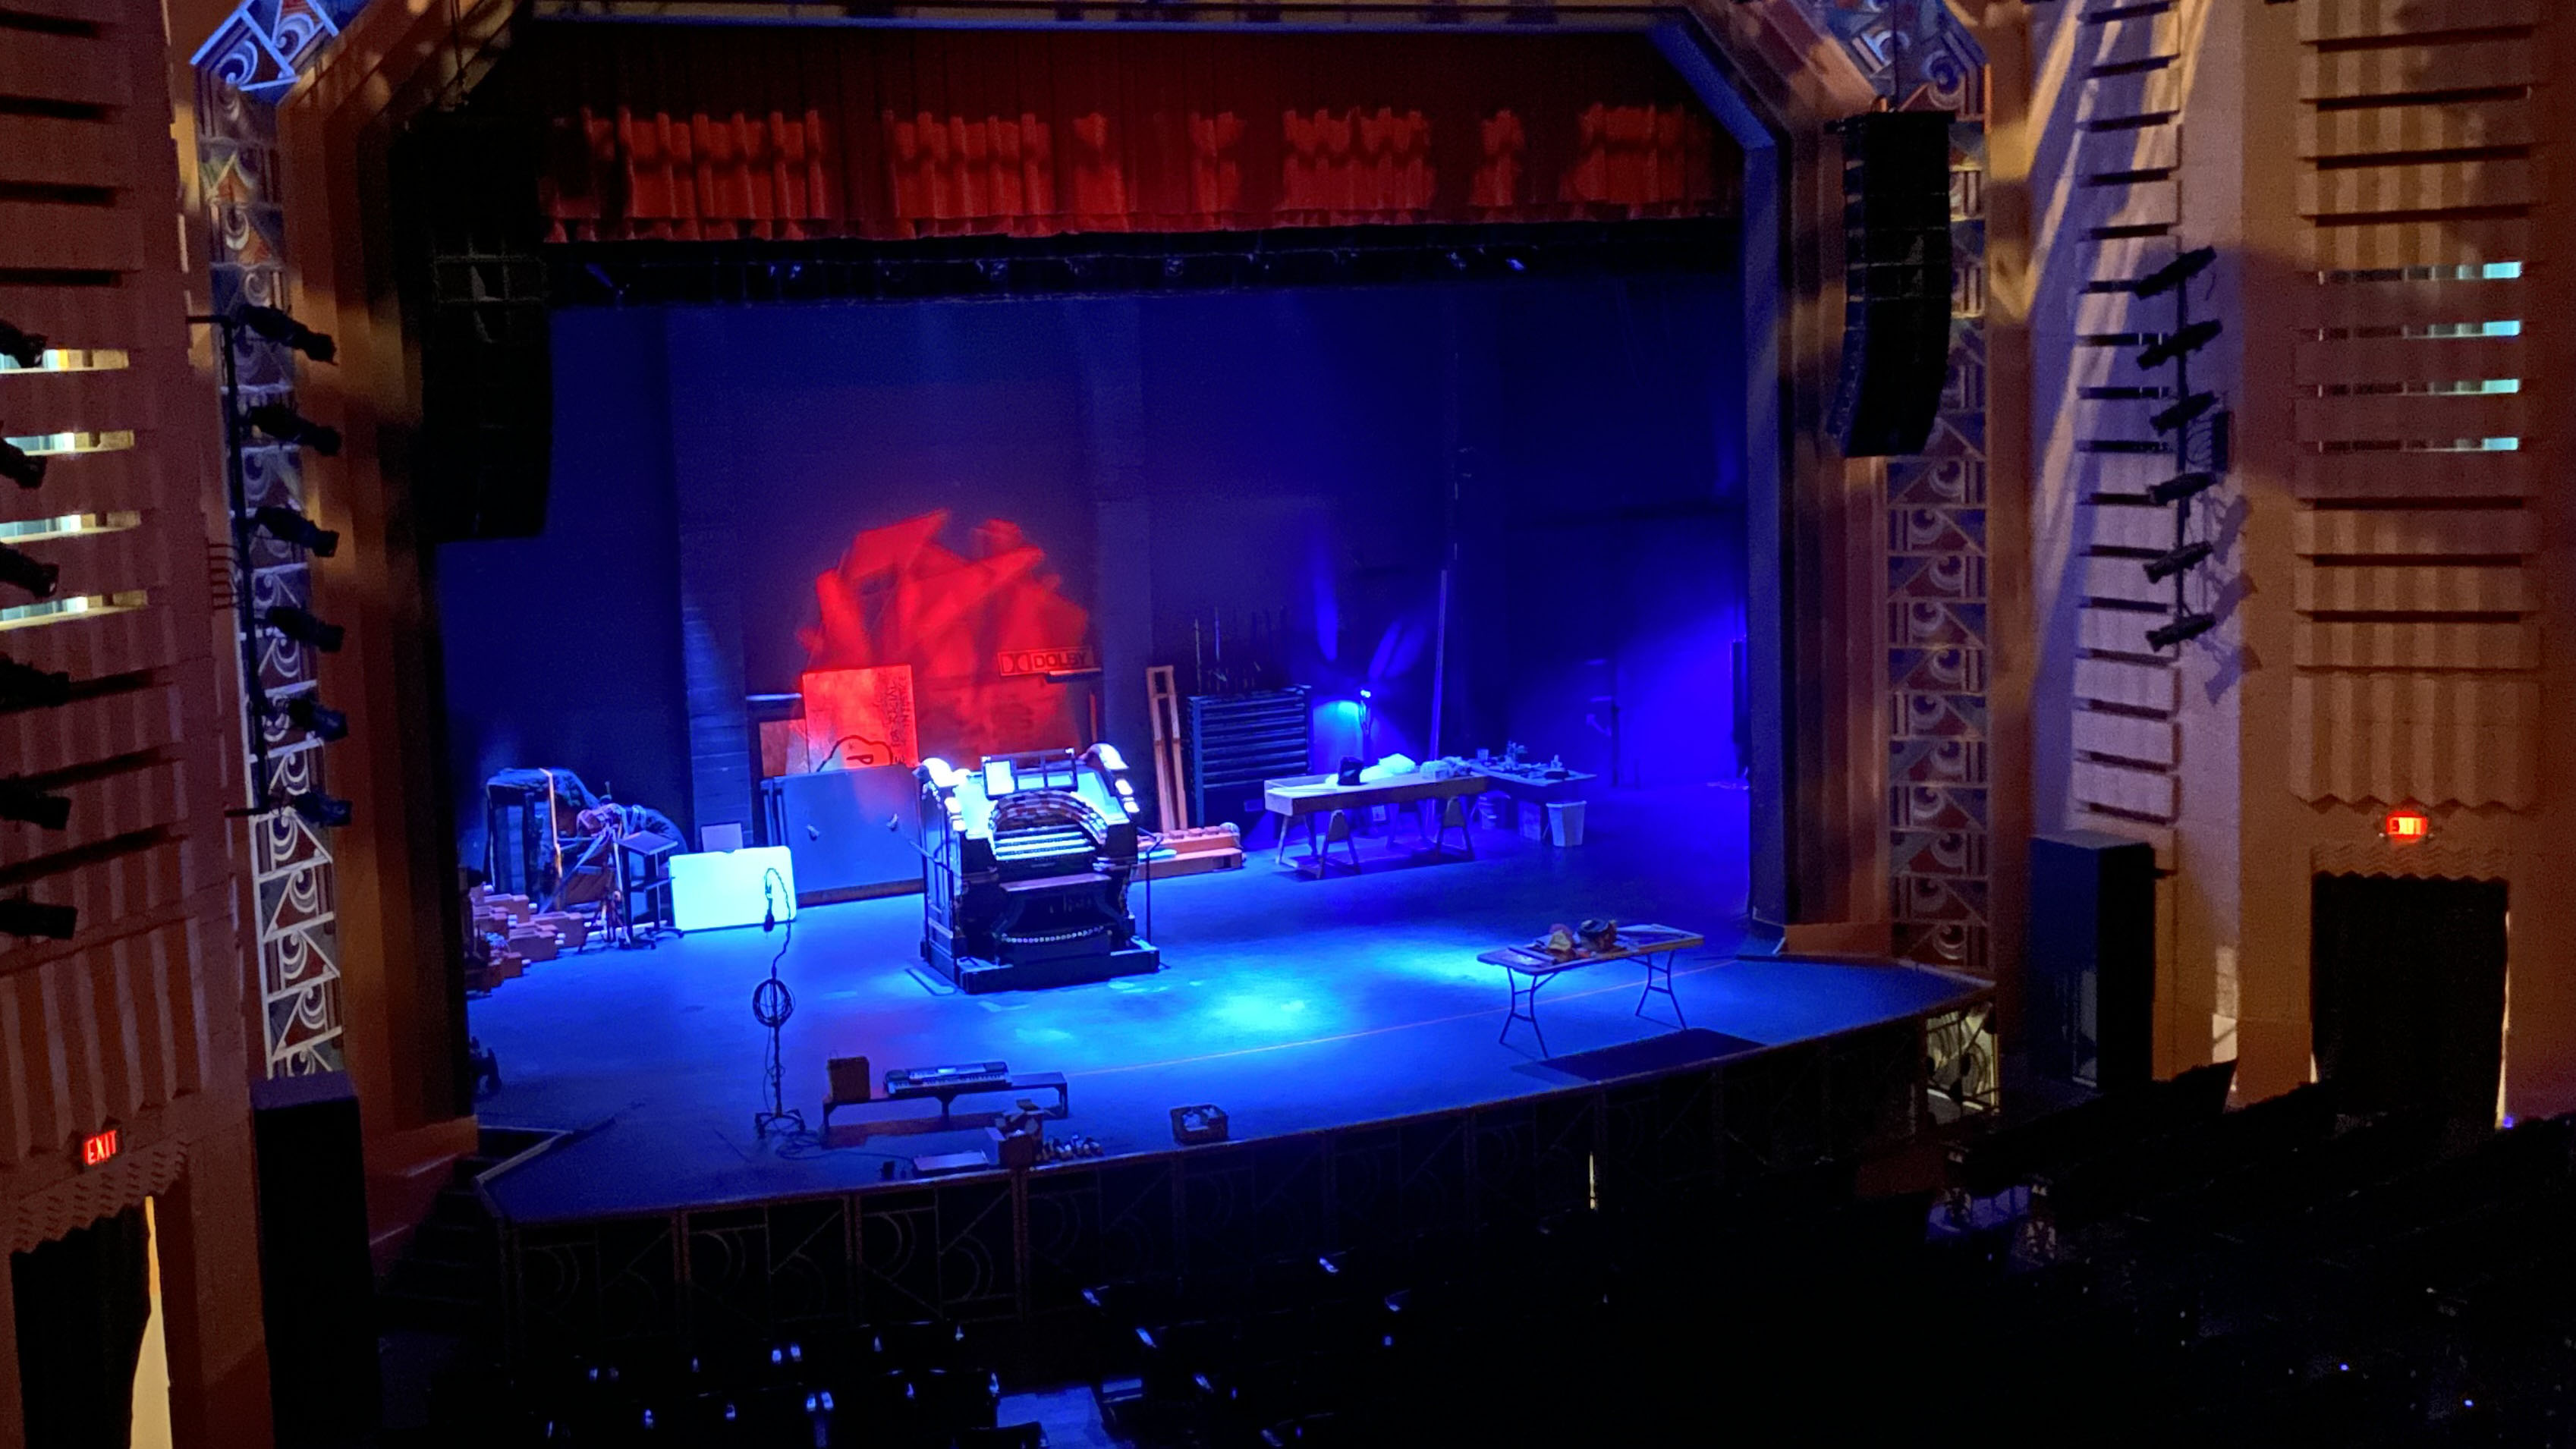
{"x": 771, "y": 1006}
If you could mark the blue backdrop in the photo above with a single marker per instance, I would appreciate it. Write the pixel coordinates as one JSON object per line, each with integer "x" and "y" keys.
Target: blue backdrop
{"x": 1294, "y": 463}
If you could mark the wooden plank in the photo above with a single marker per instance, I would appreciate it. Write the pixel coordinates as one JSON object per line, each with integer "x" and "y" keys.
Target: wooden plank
{"x": 2128, "y": 98}
{"x": 2444, "y": 242}
{"x": 2126, "y": 737}
{"x": 2131, "y": 526}
{"x": 2124, "y": 579}
{"x": 2405, "y": 130}
{"x": 2120, "y": 472}
{"x": 2116, "y": 631}
{"x": 2417, "y": 589}
{"x": 2129, "y": 685}
{"x": 1171, "y": 797}
{"x": 83, "y": 70}
{"x": 2416, "y": 70}
{"x": 2126, "y": 259}
{"x": 2142, "y": 203}
{"x": 87, "y": 316}
{"x": 2413, "y": 418}
{"x": 49, "y": 150}
{"x": 2417, "y": 646}
{"x": 2361, "y": 361}
{"x": 2353, "y": 305}
{"x": 51, "y": 236}
{"x": 42, "y": 740}
{"x": 2419, "y": 187}
{"x": 2374, "y": 19}
{"x": 2376, "y": 476}
{"x": 35, "y": 403}
{"x": 2393, "y": 533}
{"x": 97, "y": 645}
{"x": 2140, "y": 148}
{"x": 2150, "y": 793}
{"x": 2131, "y": 39}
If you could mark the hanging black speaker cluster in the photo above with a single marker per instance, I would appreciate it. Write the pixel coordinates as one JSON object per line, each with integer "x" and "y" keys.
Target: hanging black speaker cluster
{"x": 474, "y": 296}
{"x": 1896, "y": 281}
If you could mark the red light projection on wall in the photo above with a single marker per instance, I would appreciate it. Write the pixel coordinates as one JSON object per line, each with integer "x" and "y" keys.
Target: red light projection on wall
{"x": 899, "y": 596}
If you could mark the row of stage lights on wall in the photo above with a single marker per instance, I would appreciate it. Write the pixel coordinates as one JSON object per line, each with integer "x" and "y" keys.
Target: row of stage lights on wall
{"x": 2197, "y": 428}
{"x": 281, "y": 422}
{"x": 24, "y": 686}
{"x": 27, "y": 351}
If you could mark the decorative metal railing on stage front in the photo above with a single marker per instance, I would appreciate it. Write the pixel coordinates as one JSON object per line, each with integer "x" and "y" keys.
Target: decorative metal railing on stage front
{"x": 1649, "y": 1154}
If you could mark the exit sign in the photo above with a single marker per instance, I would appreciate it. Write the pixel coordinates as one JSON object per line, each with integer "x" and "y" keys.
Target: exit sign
{"x": 98, "y": 1147}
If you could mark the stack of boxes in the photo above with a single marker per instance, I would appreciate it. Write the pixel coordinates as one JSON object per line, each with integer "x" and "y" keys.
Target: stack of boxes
{"x": 508, "y": 932}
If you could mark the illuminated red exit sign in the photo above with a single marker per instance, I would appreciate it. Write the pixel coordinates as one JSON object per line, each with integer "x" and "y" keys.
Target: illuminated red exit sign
{"x": 2406, "y": 825}
{"x": 98, "y": 1147}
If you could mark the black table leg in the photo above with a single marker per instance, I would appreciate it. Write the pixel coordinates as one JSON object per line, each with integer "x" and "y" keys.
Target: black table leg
{"x": 1524, "y": 1007}
{"x": 1660, "y": 978}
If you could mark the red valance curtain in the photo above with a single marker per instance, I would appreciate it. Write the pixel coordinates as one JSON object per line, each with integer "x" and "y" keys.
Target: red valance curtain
{"x": 700, "y": 133}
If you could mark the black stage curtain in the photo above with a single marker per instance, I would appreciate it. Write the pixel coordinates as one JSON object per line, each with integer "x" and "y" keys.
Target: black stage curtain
{"x": 700, "y": 133}
{"x": 2407, "y": 992}
{"x": 82, "y": 1303}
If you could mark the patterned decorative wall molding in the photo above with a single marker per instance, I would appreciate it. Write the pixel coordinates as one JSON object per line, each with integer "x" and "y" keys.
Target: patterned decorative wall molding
{"x": 249, "y": 61}
{"x": 1939, "y": 774}
{"x": 262, "y": 47}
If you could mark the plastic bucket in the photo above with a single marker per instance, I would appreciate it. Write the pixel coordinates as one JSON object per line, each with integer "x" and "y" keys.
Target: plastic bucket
{"x": 1565, "y": 822}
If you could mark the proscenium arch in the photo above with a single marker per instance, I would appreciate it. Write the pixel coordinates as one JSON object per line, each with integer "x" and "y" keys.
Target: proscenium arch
{"x": 1814, "y": 637}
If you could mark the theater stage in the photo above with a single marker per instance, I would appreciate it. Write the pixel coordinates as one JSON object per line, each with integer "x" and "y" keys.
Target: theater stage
{"x": 1293, "y": 1003}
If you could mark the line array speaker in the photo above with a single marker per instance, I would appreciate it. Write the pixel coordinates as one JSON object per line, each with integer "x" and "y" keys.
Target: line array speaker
{"x": 1896, "y": 310}
{"x": 2092, "y": 962}
{"x": 315, "y": 1272}
{"x": 474, "y": 297}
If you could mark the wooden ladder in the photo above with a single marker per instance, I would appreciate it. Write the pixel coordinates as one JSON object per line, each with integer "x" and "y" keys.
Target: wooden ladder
{"x": 1171, "y": 793}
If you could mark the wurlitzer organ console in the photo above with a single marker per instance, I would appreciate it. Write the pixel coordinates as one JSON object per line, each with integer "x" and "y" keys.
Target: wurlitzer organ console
{"x": 1026, "y": 861}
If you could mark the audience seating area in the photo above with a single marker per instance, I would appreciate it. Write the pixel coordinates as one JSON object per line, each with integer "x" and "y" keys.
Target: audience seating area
{"x": 902, "y": 1386}
{"x": 2152, "y": 1268}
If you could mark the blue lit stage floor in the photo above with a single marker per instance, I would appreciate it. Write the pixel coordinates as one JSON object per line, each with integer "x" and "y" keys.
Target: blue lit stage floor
{"x": 1292, "y": 1003}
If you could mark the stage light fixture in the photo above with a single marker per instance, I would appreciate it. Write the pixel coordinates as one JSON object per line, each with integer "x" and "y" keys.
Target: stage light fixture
{"x": 302, "y": 627}
{"x": 25, "y": 803}
{"x": 23, "y": 348}
{"x": 2180, "y": 631}
{"x": 288, "y": 526}
{"x": 22, "y": 917}
{"x": 2182, "y": 344}
{"x": 2176, "y": 272}
{"x": 327, "y": 811}
{"x": 2182, "y": 486}
{"x": 289, "y": 426}
{"x": 20, "y": 466}
{"x": 28, "y": 572}
{"x": 314, "y": 717}
{"x": 2185, "y": 413}
{"x": 276, "y": 326}
{"x": 2165, "y": 565}
{"x": 24, "y": 686}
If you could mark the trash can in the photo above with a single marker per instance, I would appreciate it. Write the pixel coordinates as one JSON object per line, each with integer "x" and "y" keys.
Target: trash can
{"x": 1565, "y": 822}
